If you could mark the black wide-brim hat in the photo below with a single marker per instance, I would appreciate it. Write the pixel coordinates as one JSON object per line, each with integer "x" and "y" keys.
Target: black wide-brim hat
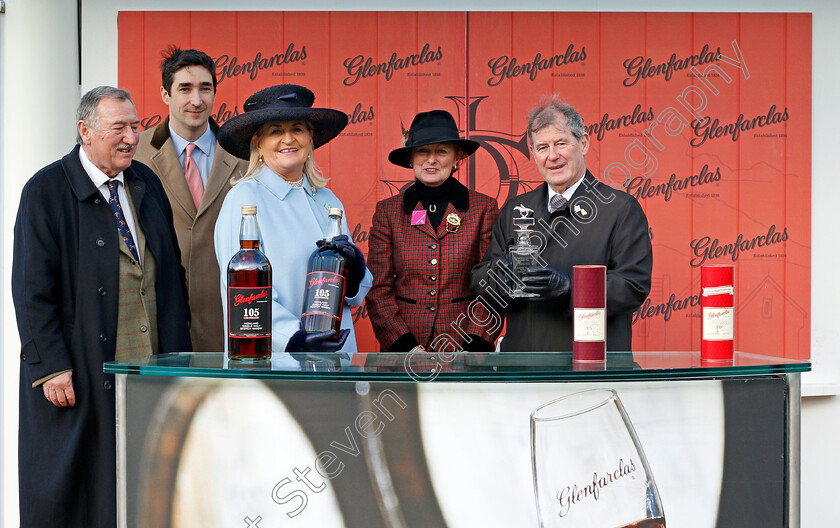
{"x": 435, "y": 126}
{"x": 284, "y": 102}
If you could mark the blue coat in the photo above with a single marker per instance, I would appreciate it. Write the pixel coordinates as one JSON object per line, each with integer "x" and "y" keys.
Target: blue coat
{"x": 65, "y": 284}
{"x": 291, "y": 220}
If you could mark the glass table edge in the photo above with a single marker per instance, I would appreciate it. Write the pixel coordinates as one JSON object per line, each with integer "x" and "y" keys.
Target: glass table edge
{"x": 522, "y": 375}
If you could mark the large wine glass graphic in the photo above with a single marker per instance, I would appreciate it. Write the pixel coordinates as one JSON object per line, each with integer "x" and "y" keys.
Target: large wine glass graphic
{"x": 589, "y": 468}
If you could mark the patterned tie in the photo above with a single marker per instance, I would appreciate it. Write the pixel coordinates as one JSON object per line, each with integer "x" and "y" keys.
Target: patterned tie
{"x": 193, "y": 176}
{"x": 558, "y": 203}
{"x": 125, "y": 232}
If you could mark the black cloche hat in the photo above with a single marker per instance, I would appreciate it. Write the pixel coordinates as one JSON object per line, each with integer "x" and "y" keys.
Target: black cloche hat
{"x": 435, "y": 126}
{"x": 284, "y": 102}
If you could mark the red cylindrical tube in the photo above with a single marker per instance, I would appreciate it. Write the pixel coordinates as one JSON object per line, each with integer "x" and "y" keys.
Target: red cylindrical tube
{"x": 589, "y": 303}
{"x": 717, "y": 301}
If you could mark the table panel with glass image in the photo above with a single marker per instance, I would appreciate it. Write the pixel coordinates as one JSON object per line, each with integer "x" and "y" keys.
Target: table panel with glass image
{"x": 390, "y": 440}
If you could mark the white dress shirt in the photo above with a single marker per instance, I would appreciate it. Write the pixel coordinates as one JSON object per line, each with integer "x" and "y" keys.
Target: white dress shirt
{"x": 205, "y": 149}
{"x": 567, "y": 194}
{"x": 100, "y": 180}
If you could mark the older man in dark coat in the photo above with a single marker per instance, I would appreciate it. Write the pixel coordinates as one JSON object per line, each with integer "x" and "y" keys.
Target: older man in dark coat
{"x": 96, "y": 275}
{"x": 578, "y": 220}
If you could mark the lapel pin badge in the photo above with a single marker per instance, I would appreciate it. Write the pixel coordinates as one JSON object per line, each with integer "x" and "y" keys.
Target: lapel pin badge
{"x": 453, "y": 222}
{"x": 418, "y": 217}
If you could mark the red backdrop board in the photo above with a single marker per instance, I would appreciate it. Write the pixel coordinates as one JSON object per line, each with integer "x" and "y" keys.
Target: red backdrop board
{"x": 704, "y": 117}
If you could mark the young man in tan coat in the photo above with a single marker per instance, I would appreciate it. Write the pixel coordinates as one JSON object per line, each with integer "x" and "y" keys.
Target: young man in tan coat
{"x": 195, "y": 172}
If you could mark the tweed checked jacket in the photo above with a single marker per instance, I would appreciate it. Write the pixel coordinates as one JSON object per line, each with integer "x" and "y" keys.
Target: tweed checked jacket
{"x": 421, "y": 276}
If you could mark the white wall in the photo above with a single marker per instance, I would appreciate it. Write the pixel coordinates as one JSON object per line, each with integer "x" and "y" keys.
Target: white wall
{"x": 39, "y": 92}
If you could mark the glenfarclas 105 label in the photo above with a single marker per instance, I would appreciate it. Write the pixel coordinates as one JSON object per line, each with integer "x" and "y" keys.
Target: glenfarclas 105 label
{"x": 326, "y": 278}
{"x": 324, "y": 294}
{"x": 249, "y": 295}
{"x": 249, "y": 312}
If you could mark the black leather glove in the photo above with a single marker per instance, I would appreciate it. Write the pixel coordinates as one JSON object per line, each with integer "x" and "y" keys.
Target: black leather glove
{"x": 548, "y": 283}
{"x": 404, "y": 343}
{"x": 356, "y": 265}
{"x": 478, "y": 344}
{"x": 301, "y": 341}
{"x": 502, "y": 276}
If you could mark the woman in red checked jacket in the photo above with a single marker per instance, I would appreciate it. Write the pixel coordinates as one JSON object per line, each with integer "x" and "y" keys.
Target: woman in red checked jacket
{"x": 423, "y": 244}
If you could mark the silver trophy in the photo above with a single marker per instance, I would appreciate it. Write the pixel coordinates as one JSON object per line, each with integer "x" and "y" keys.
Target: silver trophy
{"x": 523, "y": 254}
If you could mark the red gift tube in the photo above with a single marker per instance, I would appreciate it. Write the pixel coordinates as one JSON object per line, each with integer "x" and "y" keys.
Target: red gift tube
{"x": 717, "y": 301}
{"x": 588, "y": 366}
{"x": 589, "y": 304}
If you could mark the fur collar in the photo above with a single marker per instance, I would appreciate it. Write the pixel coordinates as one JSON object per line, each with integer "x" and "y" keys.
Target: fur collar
{"x": 459, "y": 197}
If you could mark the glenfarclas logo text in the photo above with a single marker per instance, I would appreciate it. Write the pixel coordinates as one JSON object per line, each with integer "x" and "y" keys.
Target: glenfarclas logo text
{"x": 608, "y": 123}
{"x": 707, "y": 248}
{"x": 229, "y": 67}
{"x": 359, "y": 234}
{"x": 249, "y": 299}
{"x": 643, "y": 68}
{"x": 324, "y": 279}
{"x": 719, "y": 313}
{"x": 505, "y": 67}
{"x": 224, "y": 113}
{"x": 359, "y": 115}
{"x": 361, "y": 67}
{"x": 359, "y": 313}
{"x": 707, "y": 129}
{"x": 649, "y": 310}
{"x": 571, "y": 495}
{"x": 641, "y": 187}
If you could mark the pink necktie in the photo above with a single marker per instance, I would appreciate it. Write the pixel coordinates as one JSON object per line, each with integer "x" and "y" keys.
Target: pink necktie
{"x": 193, "y": 176}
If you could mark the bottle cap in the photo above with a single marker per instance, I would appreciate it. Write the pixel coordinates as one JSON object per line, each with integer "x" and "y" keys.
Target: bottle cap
{"x": 249, "y": 209}
{"x": 335, "y": 211}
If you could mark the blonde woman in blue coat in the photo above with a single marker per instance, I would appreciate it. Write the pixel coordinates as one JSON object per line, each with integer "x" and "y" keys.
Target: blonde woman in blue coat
{"x": 278, "y": 133}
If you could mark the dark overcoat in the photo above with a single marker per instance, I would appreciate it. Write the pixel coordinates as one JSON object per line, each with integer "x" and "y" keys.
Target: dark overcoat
{"x": 601, "y": 226}
{"x": 65, "y": 284}
{"x": 421, "y": 275}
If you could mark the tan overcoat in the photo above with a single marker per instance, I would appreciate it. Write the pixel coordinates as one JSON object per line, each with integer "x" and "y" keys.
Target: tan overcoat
{"x": 194, "y": 228}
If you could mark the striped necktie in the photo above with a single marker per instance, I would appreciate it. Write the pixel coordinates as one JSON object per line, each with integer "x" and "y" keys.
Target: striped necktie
{"x": 125, "y": 232}
{"x": 558, "y": 203}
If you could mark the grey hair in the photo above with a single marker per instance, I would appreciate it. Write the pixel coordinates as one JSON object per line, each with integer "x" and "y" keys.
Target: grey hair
{"x": 547, "y": 112}
{"x": 87, "y": 111}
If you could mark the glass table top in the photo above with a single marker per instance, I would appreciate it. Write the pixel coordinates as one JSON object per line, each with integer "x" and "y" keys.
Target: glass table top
{"x": 466, "y": 366}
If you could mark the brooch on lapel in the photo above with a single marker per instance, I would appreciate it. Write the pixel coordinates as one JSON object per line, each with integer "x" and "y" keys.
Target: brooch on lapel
{"x": 581, "y": 211}
{"x": 453, "y": 222}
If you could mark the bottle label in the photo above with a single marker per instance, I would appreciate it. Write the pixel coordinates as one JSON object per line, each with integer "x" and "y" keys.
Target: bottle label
{"x": 324, "y": 294}
{"x": 590, "y": 324}
{"x": 249, "y": 311}
{"x": 718, "y": 324}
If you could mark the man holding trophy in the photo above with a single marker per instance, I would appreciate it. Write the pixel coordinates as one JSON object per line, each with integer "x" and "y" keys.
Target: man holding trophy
{"x": 572, "y": 219}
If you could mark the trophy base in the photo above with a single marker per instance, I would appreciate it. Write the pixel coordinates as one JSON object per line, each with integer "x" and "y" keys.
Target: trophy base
{"x": 519, "y": 294}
